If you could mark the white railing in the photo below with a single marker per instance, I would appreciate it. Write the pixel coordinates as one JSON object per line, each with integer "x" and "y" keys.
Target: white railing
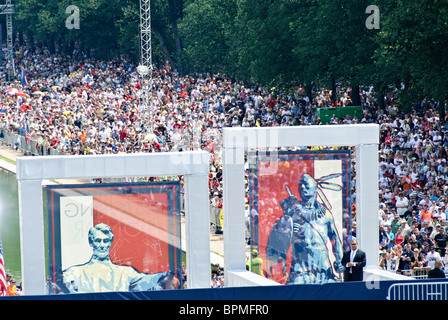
{"x": 420, "y": 274}
{"x": 214, "y": 216}
{"x": 19, "y": 142}
{"x": 418, "y": 291}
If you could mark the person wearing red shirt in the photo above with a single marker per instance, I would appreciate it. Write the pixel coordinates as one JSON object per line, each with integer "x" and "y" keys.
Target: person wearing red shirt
{"x": 123, "y": 134}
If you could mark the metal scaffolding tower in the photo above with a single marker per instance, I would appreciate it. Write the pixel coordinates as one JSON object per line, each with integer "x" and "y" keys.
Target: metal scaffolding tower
{"x": 145, "y": 33}
{"x": 8, "y": 10}
{"x": 145, "y": 67}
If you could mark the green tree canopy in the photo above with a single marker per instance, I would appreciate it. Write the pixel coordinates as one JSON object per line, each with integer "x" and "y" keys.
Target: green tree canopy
{"x": 280, "y": 43}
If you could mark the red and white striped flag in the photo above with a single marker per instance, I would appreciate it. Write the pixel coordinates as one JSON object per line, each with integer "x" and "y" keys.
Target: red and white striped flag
{"x": 28, "y": 136}
{"x": 3, "y": 284}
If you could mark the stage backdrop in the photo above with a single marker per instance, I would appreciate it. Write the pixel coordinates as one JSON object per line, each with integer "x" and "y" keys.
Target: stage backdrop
{"x": 300, "y": 240}
{"x": 144, "y": 219}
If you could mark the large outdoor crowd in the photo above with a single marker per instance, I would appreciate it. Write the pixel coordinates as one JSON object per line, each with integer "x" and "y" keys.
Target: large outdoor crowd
{"x": 77, "y": 104}
{"x": 413, "y": 182}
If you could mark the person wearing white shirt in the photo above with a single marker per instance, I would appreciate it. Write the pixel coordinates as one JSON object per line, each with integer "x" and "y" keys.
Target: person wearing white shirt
{"x": 400, "y": 170}
{"x": 439, "y": 214}
{"x": 432, "y": 256}
{"x": 437, "y": 138}
{"x": 414, "y": 174}
{"x": 414, "y": 141}
{"x": 382, "y": 170}
{"x": 392, "y": 261}
{"x": 401, "y": 204}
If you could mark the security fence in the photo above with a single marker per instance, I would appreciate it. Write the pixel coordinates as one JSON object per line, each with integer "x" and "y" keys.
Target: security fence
{"x": 418, "y": 291}
{"x": 215, "y": 217}
{"x": 31, "y": 147}
{"x": 420, "y": 274}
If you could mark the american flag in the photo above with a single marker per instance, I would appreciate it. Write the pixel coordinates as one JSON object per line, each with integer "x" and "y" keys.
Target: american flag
{"x": 3, "y": 285}
{"x": 28, "y": 136}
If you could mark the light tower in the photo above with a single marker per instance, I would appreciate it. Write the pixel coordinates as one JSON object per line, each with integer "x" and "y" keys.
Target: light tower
{"x": 8, "y": 10}
{"x": 145, "y": 67}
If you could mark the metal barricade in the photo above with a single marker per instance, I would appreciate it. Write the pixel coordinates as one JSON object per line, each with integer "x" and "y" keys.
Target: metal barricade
{"x": 418, "y": 291}
{"x": 19, "y": 142}
{"x": 214, "y": 216}
{"x": 419, "y": 274}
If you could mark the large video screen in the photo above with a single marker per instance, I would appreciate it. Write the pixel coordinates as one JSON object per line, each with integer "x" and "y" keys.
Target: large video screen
{"x": 114, "y": 237}
{"x": 299, "y": 214}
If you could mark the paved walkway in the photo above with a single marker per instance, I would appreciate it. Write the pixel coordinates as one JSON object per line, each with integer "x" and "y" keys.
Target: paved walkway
{"x": 8, "y": 158}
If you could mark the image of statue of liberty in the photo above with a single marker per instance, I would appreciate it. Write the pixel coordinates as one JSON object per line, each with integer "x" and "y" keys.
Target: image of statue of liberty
{"x": 100, "y": 274}
{"x": 308, "y": 226}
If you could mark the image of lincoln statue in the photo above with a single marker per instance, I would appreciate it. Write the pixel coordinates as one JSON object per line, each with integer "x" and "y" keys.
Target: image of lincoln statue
{"x": 100, "y": 274}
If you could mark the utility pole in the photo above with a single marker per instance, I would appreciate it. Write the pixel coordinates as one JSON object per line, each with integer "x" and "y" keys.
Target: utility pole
{"x": 8, "y": 10}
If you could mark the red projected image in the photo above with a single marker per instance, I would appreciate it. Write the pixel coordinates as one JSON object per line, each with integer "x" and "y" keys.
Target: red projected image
{"x": 123, "y": 237}
{"x": 140, "y": 224}
{"x": 299, "y": 213}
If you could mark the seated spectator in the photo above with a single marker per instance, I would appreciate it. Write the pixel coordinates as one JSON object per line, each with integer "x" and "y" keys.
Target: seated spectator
{"x": 437, "y": 271}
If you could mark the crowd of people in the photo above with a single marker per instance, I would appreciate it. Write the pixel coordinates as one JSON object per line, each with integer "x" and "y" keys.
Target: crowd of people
{"x": 413, "y": 181}
{"x": 79, "y": 105}
{"x": 12, "y": 287}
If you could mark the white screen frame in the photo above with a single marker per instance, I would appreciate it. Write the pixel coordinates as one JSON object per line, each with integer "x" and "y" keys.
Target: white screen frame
{"x": 31, "y": 171}
{"x": 237, "y": 141}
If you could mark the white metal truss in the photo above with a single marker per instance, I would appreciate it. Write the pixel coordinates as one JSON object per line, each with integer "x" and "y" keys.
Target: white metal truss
{"x": 8, "y": 10}
{"x": 145, "y": 70}
{"x": 145, "y": 34}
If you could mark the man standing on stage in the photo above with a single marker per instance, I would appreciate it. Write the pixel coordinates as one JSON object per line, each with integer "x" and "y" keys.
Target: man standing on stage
{"x": 354, "y": 261}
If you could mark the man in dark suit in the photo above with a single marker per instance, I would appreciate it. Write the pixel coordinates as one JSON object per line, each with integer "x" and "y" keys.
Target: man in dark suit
{"x": 436, "y": 272}
{"x": 354, "y": 262}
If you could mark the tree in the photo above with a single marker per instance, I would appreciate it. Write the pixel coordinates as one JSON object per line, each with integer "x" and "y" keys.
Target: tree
{"x": 109, "y": 27}
{"x": 165, "y": 16}
{"x": 413, "y": 45}
{"x": 98, "y": 29}
{"x": 275, "y": 43}
{"x": 205, "y": 33}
